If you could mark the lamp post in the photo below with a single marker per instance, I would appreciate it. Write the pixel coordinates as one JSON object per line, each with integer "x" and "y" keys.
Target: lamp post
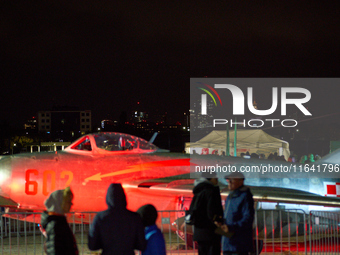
{"x": 14, "y": 144}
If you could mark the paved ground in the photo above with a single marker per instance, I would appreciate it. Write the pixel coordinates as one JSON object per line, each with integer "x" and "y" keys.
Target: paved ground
{"x": 32, "y": 245}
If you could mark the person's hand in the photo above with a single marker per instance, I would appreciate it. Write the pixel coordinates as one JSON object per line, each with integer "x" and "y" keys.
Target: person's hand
{"x": 223, "y": 227}
{"x": 223, "y": 230}
{"x": 218, "y": 224}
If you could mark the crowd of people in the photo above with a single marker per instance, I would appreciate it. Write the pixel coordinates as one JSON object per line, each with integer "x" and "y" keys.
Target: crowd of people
{"x": 215, "y": 229}
{"x": 304, "y": 159}
{"x": 120, "y": 231}
{"x": 116, "y": 230}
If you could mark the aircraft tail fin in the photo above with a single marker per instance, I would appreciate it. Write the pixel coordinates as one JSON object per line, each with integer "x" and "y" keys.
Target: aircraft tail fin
{"x": 153, "y": 137}
{"x": 332, "y": 158}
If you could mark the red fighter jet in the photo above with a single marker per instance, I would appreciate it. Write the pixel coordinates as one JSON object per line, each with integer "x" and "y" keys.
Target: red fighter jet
{"x": 147, "y": 173}
{"x": 89, "y": 165}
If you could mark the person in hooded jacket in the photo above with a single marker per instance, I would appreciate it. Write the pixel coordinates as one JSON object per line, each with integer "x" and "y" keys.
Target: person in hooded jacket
{"x": 60, "y": 239}
{"x": 153, "y": 235}
{"x": 116, "y": 230}
{"x": 208, "y": 209}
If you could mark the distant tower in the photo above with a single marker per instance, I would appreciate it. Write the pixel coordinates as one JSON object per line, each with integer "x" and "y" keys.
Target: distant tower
{"x": 139, "y": 115}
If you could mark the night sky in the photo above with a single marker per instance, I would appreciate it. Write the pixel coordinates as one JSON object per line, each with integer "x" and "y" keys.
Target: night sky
{"x": 106, "y": 55}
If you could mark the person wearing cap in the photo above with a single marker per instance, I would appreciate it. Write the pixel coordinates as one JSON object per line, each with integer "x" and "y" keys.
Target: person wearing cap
{"x": 116, "y": 230}
{"x": 153, "y": 235}
{"x": 208, "y": 209}
{"x": 238, "y": 216}
{"x": 60, "y": 239}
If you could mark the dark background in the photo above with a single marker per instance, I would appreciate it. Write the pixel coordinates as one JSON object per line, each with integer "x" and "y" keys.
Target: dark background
{"x": 106, "y": 56}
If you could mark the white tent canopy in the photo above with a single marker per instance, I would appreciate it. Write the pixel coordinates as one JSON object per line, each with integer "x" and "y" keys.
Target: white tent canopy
{"x": 248, "y": 140}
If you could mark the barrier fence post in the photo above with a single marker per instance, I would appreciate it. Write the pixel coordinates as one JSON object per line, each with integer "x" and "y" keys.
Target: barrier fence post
{"x": 256, "y": 234}
{"x": 2, "y": 232}
{"x": 273, "y": 231}
{"x": 305, "y": 225}
{"x": 310, "y": 231}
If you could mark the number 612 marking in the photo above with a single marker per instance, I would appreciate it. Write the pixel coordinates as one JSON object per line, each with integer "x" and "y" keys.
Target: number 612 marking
{"x": 31, "y": 187}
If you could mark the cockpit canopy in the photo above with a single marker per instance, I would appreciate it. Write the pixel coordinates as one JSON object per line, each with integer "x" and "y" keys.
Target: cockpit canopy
{"x": 111, "y": 142}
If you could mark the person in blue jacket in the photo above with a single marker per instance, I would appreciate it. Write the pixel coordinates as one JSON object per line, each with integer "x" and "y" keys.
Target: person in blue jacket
{"x": 116, "y": 230}
{"x": 239, "y": 216}
{"x": 153, "y": 235}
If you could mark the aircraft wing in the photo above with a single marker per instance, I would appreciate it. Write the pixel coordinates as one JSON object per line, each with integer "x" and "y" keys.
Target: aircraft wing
{"x": 291, "y": 196}
{"x": 7, "y": 202}
{"x": 179, "y": 192}
{"x": 260, "y": 193}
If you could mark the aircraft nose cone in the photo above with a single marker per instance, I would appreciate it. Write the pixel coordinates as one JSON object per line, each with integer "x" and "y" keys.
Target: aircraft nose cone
{"x": 5, "y": 175}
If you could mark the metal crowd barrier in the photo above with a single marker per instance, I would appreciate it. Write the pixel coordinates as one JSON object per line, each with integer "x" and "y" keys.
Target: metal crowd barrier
{"x": 275, "y": 232}
{"x": 324, "y": 235}
{"x": 280, "y": 231}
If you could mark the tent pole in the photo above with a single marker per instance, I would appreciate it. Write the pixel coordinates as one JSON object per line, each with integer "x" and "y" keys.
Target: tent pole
{"x": 235, "y": 139}
{"x": 228, "y": 142}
